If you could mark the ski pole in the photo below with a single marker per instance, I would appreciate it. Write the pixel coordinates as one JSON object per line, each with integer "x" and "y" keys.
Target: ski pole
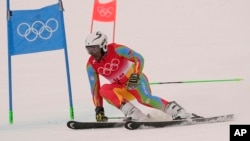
{"x": 197, "y": 81}
{"x": 116, "y": 117}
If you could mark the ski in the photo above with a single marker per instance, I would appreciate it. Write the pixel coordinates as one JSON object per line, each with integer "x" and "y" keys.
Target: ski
{"x": 93, "y": 125}
{"x": 132, "y": 125}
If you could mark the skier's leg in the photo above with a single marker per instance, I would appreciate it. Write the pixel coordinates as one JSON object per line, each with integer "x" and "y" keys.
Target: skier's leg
{"x": 118, "y": 96}
{"x": 111, "y": 93}
{"x": 144, "y": 96}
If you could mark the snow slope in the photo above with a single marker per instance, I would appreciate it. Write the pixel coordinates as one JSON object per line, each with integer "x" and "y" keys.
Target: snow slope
{"x": 180, "y": 40}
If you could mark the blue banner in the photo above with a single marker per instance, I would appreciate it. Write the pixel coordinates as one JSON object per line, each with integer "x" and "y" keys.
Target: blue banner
{"x": 36, "y": 30}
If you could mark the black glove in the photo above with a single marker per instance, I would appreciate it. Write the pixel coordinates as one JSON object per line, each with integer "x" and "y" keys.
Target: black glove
{"x": 100, "y": 116}
{"x": 133, "y": 81}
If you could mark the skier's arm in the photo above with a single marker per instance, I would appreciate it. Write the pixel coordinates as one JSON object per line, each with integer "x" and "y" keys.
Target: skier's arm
{"x": 94, "y": 82}
{"x": 138, "y": 61}
{"x": 133, "y": 56}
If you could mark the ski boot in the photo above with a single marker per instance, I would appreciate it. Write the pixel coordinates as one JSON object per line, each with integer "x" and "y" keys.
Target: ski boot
{"x": 178, "y": 113}
{"x": 132, "y": 113}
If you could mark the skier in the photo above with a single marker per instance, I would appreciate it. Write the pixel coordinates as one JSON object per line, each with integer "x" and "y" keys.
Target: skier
{"x": 123, "y": 67}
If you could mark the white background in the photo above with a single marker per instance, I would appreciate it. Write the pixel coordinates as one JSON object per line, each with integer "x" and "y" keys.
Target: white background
{"x": 179, "y": 39}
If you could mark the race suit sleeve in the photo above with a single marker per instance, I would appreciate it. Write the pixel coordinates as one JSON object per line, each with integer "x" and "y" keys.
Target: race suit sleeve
{"x": 94, "y": 82}
{"x": 133, "y": 56}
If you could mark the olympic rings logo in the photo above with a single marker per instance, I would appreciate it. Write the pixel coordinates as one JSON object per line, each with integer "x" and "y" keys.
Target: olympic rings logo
{"x": 105, "y": 12}
{"x": 38, "y": 29}
{"x": 109, "y": 67}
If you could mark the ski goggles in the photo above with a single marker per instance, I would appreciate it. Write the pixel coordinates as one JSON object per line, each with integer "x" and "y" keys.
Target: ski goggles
{"x": 92, "y": 48}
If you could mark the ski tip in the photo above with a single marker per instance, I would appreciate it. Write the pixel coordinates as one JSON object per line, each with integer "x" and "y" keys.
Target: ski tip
{"x": 230, "y": 116}
{"x": 71, "y": 124}
{"x": 130, "y": 125}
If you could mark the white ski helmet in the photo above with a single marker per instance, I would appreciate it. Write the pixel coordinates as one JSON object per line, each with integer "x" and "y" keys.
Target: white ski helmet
{"x": 97, "y": 38}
